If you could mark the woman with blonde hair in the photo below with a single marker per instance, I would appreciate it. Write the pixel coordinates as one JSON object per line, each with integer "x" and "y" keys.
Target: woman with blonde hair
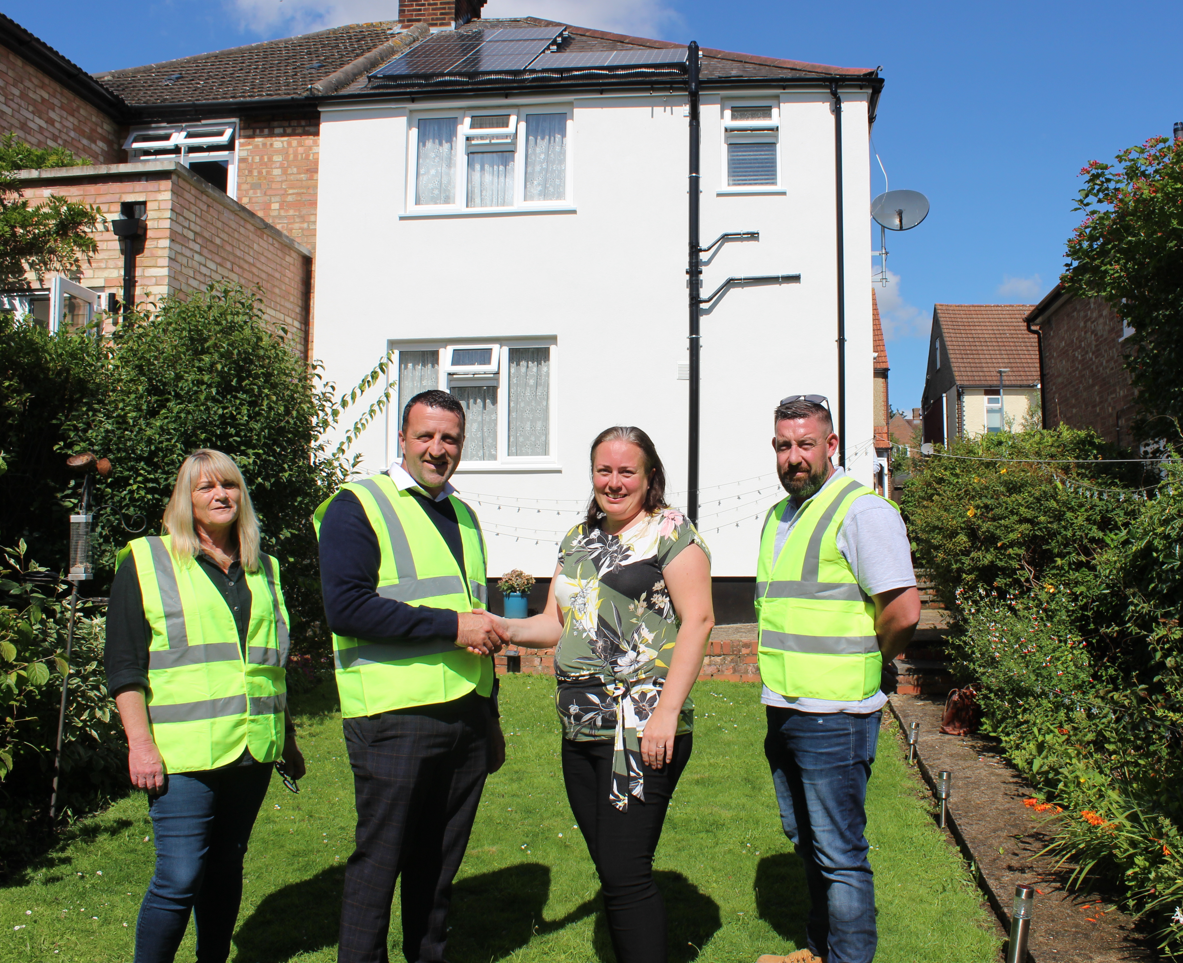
{"x": 630, "y": 609}
{"x": 197, "y": 641}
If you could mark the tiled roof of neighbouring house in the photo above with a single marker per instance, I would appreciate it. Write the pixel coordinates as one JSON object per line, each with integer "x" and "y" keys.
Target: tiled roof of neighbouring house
{"x": 274, "y": 69}
{"x": 878, "y": 344}
{"x": 981, "y": 338}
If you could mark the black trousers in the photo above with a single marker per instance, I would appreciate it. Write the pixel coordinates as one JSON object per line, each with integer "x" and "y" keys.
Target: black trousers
{"x": 622, "y": 844}
{"x": 418, "y": 776}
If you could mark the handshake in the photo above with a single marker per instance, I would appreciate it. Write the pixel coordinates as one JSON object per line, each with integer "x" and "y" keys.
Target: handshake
{"x": 482, "y": 633}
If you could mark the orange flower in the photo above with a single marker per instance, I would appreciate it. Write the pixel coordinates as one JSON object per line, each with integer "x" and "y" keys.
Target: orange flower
{"x": 1092, "y": 818}
{"x": 1166, "y": 852}
{"x": 971, "y": 512}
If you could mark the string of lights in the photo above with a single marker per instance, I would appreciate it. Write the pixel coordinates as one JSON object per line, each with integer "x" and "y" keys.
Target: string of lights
{"x": 1040, "y": 461}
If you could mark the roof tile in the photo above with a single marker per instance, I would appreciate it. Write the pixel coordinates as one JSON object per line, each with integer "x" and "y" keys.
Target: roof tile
{"x": 879, "y": 345}
{"x": 981, "y": 338}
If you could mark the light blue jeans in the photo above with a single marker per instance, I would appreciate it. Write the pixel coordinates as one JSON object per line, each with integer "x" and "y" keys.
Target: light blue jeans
{"x": 820, "y": 766}
{"x": 202, "y": 823}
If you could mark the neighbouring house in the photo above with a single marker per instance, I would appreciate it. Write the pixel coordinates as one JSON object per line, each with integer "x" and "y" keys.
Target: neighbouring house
{"x": 502, "y": 204}
{"x": 983, "y": 371}
{"x": 1082, "y": 365}
{"x": 505, "y": 207}
{"x": 882, "y": 402}
{"x": 903, "y": 427}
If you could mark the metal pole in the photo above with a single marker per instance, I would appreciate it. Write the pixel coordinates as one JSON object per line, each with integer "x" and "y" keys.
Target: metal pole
{"x": 57, "y": 752}
{"x": 694, "y": 272}
{"x": 841, "y": 275}
{"x": 1020, "y": 924}
{"x": 913, "y": 735}
{"x": 944, "y": 780}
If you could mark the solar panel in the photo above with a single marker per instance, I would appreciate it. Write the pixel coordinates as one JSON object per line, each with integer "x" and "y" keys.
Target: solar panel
{"x": 501, "y": 56}
{"x": 609, "y": 59}
{"x": 433, "y": 56}
{"x": 522, "y": 33}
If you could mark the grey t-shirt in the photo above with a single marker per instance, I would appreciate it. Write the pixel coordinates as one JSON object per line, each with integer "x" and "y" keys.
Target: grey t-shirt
{"x": 874, "y": 540}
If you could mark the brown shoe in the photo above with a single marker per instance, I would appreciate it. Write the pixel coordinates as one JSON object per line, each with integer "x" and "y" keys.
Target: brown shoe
{"x": 800, "y": 956}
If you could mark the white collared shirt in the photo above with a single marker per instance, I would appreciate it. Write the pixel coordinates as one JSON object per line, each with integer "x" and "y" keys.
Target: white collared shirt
{"x": 403, "y": 481}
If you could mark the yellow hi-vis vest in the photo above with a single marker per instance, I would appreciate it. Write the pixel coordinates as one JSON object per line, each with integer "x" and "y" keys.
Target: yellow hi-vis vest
{"x": 417, "y": 568}
{"x": 817, "y": 628}
{"x": 206, "y": 702}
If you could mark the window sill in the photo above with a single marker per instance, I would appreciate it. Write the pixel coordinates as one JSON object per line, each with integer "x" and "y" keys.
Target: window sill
{"x": 507, "y": 467}
{"x": 489, "y": 212}
{"x": 767, "y": 191}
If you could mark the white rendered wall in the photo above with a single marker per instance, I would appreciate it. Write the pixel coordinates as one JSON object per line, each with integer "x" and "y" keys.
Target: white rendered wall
{"x": 608, "y": 281}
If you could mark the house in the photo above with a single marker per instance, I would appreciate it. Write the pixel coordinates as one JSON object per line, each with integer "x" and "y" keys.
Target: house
{"x": 983, "y": 371}
{"x": 903, "y": 427}
{"x": 513, "y": 227}
{"x": 1082, "y": 345}
{"x": 882, "y": 402}
{"x": 514, "y": 230}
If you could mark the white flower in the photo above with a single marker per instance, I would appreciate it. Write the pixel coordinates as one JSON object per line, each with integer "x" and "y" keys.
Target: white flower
{"x": 585, "y": 603}
{"x": 1178, "y": 917}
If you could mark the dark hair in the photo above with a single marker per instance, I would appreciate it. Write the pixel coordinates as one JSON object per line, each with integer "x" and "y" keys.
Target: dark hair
{"x": 434, "y": 398}
{"x": 655, "y": 497}
{"x": 804, "y": 409}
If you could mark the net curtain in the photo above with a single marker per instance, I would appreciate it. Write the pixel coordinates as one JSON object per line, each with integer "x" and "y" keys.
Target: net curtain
{"x": 417, "y": 371}
{"x": 546, "y": 157}
{"x": 529, "y": 401}
{"x": 435, "y": 180}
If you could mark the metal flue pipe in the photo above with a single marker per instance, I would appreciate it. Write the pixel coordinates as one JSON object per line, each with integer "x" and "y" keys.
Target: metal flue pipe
{"x": 837, "y": 100}
{"x": 694, "y": 274}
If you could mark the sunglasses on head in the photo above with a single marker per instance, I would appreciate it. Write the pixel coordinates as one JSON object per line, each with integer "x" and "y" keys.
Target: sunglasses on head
{"x": 812, "y": 399}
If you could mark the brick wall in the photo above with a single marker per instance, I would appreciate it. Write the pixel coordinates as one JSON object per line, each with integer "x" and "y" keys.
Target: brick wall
{"x": 278, "y": 160}
{"x": 434, "y": 13}
{"x": 196, "y": 235}
{"x": 728, "y": 659}
{"x": 1084, "y": 382}
{"x": 44, "y": 114}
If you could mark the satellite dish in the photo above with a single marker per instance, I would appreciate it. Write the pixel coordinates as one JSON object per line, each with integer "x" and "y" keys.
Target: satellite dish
{"x": 899, "y": 210}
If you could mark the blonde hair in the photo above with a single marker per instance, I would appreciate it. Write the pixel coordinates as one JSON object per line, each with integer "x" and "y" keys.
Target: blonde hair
{"x": 178, "y": 515}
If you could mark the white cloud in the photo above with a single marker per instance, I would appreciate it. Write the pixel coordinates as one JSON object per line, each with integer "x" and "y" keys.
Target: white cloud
{"x": 899, "y": 318}
{"x": 642, "y": 18}
{"x": 1021, "y": 289}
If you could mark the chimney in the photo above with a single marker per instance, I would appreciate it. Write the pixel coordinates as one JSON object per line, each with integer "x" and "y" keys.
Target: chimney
{"x": 1179, "y": 130}
{"x": 439, "y": 14}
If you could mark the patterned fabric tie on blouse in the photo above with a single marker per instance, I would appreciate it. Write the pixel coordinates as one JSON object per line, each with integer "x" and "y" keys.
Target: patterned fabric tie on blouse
{"x": 619, "y": 629}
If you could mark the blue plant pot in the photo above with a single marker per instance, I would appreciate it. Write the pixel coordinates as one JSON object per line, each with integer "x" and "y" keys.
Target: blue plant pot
{"x": 515, "y": 605}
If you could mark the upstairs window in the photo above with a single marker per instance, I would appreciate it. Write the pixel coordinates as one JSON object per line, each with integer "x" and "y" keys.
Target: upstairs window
{"x": 751, "y": 133}
{"x": 993, "y": 413}
{"x": 483, "y": 160}
{"x": 209, "y": 149}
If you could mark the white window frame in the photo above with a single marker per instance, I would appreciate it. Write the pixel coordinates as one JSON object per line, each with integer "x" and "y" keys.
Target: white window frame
{"x": 752, "y": 132}
{"x": 20, "y": 303}
{"x": 175, "y": 137}
{"x": 993, "y": 406}
{"x": 481, "y": 140}
{"x": 504, "y": 462}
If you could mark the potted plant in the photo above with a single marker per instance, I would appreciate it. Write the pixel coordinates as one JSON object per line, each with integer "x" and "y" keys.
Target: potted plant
{"x": 515, "y": 585}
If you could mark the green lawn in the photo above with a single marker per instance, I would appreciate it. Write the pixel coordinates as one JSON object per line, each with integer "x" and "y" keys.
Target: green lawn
{"x": 527, "y": 891}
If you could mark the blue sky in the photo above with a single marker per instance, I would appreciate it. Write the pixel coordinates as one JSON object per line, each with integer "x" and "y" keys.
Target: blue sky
{"x": 989, "y": 109}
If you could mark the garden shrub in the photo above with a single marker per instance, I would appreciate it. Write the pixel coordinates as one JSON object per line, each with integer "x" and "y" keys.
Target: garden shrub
{"x": 33, "y": 623}
{"x": 1066, "y": 615}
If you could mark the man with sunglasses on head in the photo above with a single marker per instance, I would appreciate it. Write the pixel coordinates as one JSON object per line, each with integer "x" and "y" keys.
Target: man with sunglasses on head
{"x": 836, "y": 601}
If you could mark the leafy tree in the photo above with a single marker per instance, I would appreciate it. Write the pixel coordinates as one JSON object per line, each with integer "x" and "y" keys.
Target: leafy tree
{"x": 1129, "y": 251}
{"x": 208, "y": 372}
{"x": 51, "y": 237}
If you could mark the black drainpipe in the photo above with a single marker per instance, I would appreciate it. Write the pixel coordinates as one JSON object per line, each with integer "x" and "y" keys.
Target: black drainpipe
{"x": 841, "y": 276}
{"x": 694, "y": 272}
{"x": 129, "y": 229}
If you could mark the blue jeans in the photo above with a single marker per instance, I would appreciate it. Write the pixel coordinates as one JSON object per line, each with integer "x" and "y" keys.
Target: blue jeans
{"x": 202, "y": 823}
{"x": 820, "y": 766}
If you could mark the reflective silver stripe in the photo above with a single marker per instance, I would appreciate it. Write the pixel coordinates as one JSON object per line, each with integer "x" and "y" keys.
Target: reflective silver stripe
{"x": 264, "y": 655}
{"x": 193, "y": 655}
{"x": 423, "y": 588}
{"x": 813, "y": 551}
{"x": 170, "y": 593}
{"x": 268, "y": 705}
{"x": 480, "y": 592}
{"x": 281, "y": 625}
{"x": 404, "y": 562}
{"x": 826, "y": 591}
{"x": 819, "y": 644}
{"x": 374, "y": 653}
{"x": 234, "y": 705}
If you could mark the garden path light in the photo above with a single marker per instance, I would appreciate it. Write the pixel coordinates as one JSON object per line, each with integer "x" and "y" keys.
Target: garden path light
{"x": 1020, "y": 924}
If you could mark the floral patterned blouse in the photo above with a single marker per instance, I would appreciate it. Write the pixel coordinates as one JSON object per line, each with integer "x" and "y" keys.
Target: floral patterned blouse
{"x": 619, "y": 628}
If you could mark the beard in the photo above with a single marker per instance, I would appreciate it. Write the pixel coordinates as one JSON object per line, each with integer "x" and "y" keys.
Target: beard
{"x": 804, "y": 486}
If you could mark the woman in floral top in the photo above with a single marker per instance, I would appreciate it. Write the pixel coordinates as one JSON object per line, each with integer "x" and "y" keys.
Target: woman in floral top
{"x": 630, "y": 608}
